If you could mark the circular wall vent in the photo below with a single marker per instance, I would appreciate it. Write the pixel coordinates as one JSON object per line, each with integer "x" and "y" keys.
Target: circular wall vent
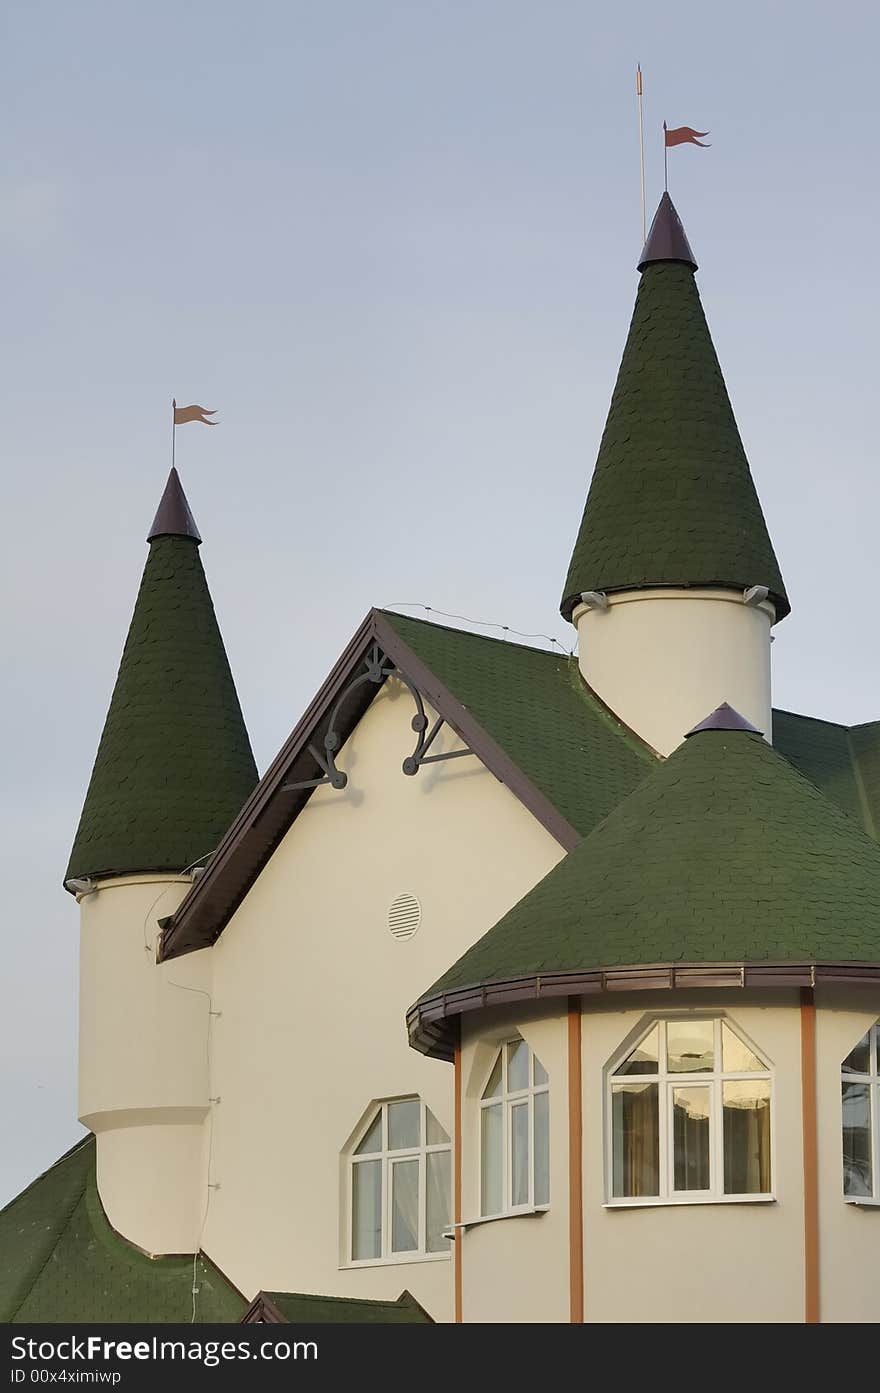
{"x": 404, "y": 916}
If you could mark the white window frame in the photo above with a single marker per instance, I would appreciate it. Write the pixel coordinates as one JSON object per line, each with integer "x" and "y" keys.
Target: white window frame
{"x": 388, "y": 1158}
{"x": 667, "y": 1082}
{"x": 508, "y": 1101}
{"x": 872, "y": 1079}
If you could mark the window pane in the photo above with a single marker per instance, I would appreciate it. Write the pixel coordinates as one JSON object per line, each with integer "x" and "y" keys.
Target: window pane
{"x": 746, "y": 1124}
{"x": 404, "y": 1206}
{"x": 439, "y": 1186}
{"x": 857, "y": 1178}
{"x": 517, "y": 1066}
{"x": 373, "y": 1139}
{"x": 690, "y": 1047}
{"x": 519, "y": 1154}
{"x": 493, "y": 1087}
{"x": 404, "y": 1124}
{"x": 436, "y": 1134}
{"x": 542, "y": 1148}
{"x": 645, "y": 1057}
{"x": 491, "y": 1159}
{"x": 636, "y": 1139}
{"x": 366, "y": 1210}
{"x": 736, "y": 1056}
{"x": 859, "y": 1061}
{"x": 540, "y": 1071}
{"x": 690, "y": 1131}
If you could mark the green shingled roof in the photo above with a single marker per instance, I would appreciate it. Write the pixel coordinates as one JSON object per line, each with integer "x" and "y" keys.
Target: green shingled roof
{"x": 347, "y": 1310}
{"x": 61, "y": 1261}
{"x": 725, "y": 854}
{"x": 174, "y": 764}
{"x": 672, "y": 501}
{"x": 537, "y": 707}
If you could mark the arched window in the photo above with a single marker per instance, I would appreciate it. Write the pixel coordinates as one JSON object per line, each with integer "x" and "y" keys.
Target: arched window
{"x": 860, "y": 1089}
{"x": 689, "y": 1110}
{"x": 401, "y": 1170}
{"x": 515, "y": 1133}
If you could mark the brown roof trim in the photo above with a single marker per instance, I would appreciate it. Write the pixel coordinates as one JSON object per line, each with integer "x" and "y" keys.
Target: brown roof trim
{"x": 262, "y": 1311}
{"x": 268, "y": 813}
{"x": 433, "y": 1029}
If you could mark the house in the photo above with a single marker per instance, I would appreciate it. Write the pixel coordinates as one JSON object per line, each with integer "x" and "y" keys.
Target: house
{"x": 520, "y": 987}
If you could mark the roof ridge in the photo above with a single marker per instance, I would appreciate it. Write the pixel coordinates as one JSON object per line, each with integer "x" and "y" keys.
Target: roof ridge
{"x": 343, "y": 1300}
{"x": 867, "y": 812}
{"x": 561, "y": 652}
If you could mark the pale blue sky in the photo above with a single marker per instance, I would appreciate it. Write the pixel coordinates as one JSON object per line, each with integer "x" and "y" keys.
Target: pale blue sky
{"x": 394, "y": 245}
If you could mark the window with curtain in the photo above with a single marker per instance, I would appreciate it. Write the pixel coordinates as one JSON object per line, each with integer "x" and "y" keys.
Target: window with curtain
{"x": 401, "y": 1179}
{"x": 690, "y": 1115}
{"x": 515, "y": 1133}
{"x": 860, "y": 1097}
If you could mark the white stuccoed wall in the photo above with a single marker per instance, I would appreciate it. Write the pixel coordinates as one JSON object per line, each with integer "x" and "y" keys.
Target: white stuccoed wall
{"x": 516, "y": 1269}
{"x": 313, "y": 991}
{"x": 849, "y": 1235}
{"x": 143, "y": 1080}
{"x": 697, "y": 1262}
{"x": 664, "y": 659}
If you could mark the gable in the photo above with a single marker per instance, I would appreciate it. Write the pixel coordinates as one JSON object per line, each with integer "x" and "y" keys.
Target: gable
{"x": 525, "y": 714}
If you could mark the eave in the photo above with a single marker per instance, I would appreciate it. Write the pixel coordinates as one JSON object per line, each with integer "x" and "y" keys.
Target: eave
{"x": 433, "y": 1022}
{"x": 271, "y": 809}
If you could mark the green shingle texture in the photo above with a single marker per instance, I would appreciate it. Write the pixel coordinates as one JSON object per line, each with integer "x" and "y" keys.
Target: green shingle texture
{"x": 672, "y": 501}
{"x": 865, "y": 743}
{"x": 62, "y": 1262}
{"x": 725, "y": 854}
{"x": 345, "y": 1310}
{"x": 174, "y": 764}
{"x": 822, "y": 751}
{"x": 536, "y": 706}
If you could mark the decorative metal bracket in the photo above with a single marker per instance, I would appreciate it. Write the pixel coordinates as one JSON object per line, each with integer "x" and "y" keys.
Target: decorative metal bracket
{"x": 377, "y": 668}
{"x": 413, "y": 763}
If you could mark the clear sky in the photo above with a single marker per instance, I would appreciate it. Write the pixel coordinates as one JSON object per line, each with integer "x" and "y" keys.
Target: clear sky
{"x": 393, "y": 242}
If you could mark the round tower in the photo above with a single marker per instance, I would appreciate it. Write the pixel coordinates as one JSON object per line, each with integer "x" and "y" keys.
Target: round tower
{"x": 173, "y": 767}
{"x": 673, "y": 585}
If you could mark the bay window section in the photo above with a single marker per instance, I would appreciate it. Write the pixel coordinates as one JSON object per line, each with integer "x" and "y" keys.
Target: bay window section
{"x": 860, "y": 1099}
{"x": 401, "y": 1174}
{"x": 689, "y": 1109}
{"x": 515, "y": 1133}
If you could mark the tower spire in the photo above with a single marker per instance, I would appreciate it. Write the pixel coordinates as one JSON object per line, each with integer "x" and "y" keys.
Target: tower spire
{"x": 174, "y": 763}
{"x": 672, "y": 500}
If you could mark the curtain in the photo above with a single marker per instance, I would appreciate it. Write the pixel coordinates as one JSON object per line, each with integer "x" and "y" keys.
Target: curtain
{"x": 636, "y": 1139}
{"x": 404, "y": 1206}
{"x": 439, "y": 1182}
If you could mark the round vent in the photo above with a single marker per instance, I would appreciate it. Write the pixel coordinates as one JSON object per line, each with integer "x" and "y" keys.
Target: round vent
{"x": 404, "y": 916}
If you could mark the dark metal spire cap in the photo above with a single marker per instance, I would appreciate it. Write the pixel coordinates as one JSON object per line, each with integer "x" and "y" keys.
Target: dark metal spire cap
{"x": 667, "y": 240}
{"x": 173, "y": 516}
{"x": 725, "y": 718}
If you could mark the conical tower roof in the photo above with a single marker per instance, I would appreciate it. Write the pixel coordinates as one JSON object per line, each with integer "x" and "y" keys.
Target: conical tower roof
{"x": 174, "y": 764}
{"x": 725, "y": 854}
{"x": 672, "y": 501}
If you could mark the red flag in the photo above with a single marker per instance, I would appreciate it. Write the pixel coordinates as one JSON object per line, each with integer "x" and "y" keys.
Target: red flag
{"x": 684, "y": 135}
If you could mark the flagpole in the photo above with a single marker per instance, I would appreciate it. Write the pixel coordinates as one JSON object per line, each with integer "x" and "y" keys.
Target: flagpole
{"x": 173, "y": 429}
{"x": 665, "y": 162}
{"x": 641, "y": 147}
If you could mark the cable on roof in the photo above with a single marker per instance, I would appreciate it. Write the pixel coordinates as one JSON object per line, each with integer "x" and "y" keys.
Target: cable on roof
{"x": 481, "y": 623}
